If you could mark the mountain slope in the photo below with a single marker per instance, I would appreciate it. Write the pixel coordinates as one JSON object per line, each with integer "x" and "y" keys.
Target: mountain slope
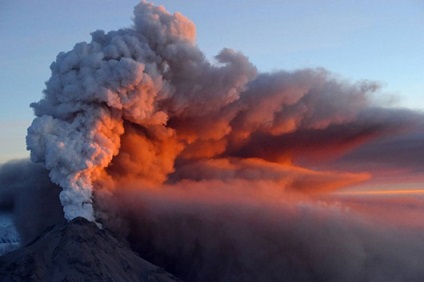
{"x": 7, "y": 242}
{"x": 78, "y": 251}
{"x": 9, "y": 238}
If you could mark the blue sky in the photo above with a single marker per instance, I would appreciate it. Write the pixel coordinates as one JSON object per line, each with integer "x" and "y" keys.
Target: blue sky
{"x": 374, "y": 40}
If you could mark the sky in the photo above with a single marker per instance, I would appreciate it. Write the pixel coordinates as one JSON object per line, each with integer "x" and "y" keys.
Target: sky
{"x": 379, "y": 40}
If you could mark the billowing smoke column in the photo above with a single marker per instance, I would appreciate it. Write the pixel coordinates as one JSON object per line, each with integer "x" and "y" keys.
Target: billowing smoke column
{"x": 95, "y": 88}
{"x": 143, "y": 103}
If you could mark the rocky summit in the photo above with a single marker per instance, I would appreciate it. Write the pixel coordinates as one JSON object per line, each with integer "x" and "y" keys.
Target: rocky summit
{"x": 78, "y": 251}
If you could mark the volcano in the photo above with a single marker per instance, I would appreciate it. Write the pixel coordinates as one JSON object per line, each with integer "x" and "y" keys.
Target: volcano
{"x": 78, "y": 251}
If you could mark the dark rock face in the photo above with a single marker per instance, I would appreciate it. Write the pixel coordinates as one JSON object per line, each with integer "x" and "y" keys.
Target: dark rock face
{"x": 78, "y": 251}
{"x": 9, "y": 241}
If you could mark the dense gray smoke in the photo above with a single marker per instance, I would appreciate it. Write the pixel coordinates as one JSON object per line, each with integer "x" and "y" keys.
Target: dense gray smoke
{"x": 206, "y": 237}
{"x": 93, "y": 89}
{"x": 146, "y": 100}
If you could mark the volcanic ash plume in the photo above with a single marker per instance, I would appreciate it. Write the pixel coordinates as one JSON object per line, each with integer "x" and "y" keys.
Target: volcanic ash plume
{"x": 118, "y": 77}
{"x": 144, "y": 104}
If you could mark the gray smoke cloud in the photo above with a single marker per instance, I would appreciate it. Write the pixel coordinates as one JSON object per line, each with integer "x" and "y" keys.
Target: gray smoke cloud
{"x": 142, "y": 102}
{"x": 208, "y": 237}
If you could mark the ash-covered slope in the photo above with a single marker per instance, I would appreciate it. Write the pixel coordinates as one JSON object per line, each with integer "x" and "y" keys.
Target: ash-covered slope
{"x": 78, "y": 251}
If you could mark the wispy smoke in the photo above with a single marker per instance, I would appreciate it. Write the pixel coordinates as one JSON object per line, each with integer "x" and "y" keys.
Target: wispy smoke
{"x": 27, "y": 192}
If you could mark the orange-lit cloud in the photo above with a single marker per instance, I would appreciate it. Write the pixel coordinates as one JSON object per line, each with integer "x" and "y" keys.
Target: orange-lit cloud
{"x": 144, "y": 105}
{"x": 385, "y": 192}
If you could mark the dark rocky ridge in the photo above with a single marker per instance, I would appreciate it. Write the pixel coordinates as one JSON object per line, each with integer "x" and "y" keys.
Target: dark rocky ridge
{"x": 78, "y": 251}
